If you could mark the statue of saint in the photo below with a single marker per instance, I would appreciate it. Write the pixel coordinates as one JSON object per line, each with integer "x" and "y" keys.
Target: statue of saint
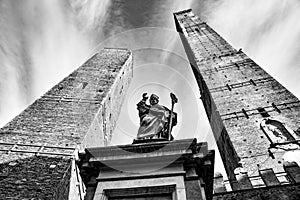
{"x": 156, "y": 121}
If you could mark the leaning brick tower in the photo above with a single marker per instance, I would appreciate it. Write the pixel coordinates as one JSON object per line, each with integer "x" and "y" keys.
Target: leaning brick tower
{"x": 38, "y": 146}
{"x": 254, "y": 119}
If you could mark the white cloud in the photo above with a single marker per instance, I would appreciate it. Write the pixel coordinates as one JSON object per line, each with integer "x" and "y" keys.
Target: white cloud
{"x": 268, "y": 31}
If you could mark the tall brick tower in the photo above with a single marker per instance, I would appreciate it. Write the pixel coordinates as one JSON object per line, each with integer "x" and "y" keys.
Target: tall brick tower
{"x": 254, "y": 119}
{"x": 58, "y": 148}
{"x": 37, "y": 146}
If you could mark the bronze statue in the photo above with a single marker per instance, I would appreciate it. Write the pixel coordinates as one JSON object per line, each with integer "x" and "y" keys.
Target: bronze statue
{"x": 156, "y": 121}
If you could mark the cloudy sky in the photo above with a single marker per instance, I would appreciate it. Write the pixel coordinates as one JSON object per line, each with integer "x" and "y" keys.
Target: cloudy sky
{"x": 41, "y": 41}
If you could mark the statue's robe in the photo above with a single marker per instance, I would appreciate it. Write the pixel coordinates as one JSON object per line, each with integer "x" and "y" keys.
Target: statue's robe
{"x": 154, "y": 120}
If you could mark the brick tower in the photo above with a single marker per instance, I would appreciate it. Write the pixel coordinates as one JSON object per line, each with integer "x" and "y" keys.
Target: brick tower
{"x": 58, "y": 148}
{"x": 37, "y": 146}
{"x": 254, "y": 119}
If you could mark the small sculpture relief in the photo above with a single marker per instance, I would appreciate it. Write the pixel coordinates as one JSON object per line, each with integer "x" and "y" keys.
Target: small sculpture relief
{"x": 278, "y": 132}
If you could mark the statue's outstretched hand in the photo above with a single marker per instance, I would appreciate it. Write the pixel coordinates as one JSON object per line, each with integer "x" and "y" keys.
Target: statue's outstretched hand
{"x": 145, "y": 96}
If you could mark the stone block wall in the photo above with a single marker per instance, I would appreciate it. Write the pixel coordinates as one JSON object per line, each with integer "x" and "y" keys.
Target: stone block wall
{"x": 181, "y": 169}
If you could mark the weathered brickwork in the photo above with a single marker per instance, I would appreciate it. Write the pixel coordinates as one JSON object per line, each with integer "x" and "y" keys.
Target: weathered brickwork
{"x": 34, "y": 178}
{"x": 255, "y": 120}
{"x": 81, "y": 110}
{"x": 87, "y": 99}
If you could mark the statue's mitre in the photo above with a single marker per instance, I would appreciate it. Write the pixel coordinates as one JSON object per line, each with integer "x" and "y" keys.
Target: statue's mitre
{"x": 154, "y": 96}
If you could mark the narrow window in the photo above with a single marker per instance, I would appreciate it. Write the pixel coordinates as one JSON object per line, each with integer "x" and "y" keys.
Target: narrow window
{"x": 84, "y": 84}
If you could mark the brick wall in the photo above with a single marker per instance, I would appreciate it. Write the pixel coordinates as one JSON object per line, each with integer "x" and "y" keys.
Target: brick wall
{"x": 82, "y": 110}
{"x": 239, "y": 96}
{"x": 105, "y": 119}
{"x": 33, "y": 177}
{"x": 188, "y": 25}
{"x": 91, "y": 96}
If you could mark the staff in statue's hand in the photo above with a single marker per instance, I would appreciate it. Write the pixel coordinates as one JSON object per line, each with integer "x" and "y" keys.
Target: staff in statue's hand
{"x": 174, "y": 100}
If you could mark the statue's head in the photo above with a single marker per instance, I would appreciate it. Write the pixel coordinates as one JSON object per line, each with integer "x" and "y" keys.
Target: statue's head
{"x": 154, "y": 99}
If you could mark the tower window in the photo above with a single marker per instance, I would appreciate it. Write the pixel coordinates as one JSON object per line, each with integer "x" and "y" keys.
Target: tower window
{"x": 84, "y": 84}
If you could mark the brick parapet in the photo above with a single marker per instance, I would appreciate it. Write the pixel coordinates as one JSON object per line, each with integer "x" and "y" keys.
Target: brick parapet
{"x": 285, "y": 192}
{"x": 266, "y": 178}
